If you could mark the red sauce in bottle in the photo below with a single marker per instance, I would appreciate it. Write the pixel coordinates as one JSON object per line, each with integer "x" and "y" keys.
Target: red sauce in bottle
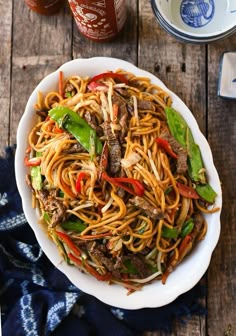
{"x": 45, "y": 7}
{"x": 99, "y": 20}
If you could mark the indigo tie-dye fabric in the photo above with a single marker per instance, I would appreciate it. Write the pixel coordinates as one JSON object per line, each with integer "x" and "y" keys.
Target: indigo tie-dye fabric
{"x": 37, "y": 299}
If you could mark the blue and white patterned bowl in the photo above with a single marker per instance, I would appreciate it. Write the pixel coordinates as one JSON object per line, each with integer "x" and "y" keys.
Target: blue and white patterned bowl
{"x": 196, "y": 21}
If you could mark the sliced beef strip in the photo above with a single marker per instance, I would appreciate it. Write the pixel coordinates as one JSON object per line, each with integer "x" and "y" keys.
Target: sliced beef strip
{"x": 145, "y": 105}
{"x": 53, "y": 206}
{"x": 181, "y": 152}
{"x": 75, "y": 148}
{"x": 147, "y": 208}
{"x": 123, "y": 115}
{"x": 123, "y": 92}
{"x": 42, "y": 113}
{"x": 92, "y": 121}
{"x": 198, "y": 223}
{"x": 114, "y": 148}
{"x": 141, "y": 105}
{"x": 96, "y": 252}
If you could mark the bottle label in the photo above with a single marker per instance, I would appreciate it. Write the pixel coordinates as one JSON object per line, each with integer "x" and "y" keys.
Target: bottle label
{"x": 99, "y": 19}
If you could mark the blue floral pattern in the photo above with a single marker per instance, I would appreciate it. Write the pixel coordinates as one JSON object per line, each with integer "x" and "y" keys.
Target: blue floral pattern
{"x": 27, "y": 313}
{"x": 197, "y": 13}
{"x": 38, "y": 300}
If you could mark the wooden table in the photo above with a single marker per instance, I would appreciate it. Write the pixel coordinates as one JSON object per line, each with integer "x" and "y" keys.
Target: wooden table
{"x": 31, "y": 46}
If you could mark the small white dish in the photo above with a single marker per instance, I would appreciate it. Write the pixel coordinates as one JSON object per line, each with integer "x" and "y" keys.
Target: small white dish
{"x": 227, "y": 75}
{"x": 199, "y": 20}
{"x": 186, "y": 38}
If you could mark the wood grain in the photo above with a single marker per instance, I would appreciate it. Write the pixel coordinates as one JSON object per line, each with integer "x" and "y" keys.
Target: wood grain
{"x": 179, "y": 65}
{"x": 5, "y": 72}
{"x": 40, "y": 45}
{"x": 222, "y": 138}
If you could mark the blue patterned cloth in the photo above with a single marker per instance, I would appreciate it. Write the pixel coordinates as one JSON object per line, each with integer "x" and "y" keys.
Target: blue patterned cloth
{"x": 38, "y": 300}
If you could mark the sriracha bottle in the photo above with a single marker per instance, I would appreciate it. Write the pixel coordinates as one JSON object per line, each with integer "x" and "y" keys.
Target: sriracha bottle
{"x": 99, "y": 20}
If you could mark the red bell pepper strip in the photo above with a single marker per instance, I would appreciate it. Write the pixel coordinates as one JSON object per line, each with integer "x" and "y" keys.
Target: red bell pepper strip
{"x": 185, "y": 246}
{"x": 164, "y": 144}
{"x": 90, "y": 269}
{"x": 138, "y": 188}
{"x": 187, "y": 191}
{"x": 114, "y": 75}
{"x": 66, "y": 239}
{"x": 80, "y": 177}
{"x": 33, "y": 162}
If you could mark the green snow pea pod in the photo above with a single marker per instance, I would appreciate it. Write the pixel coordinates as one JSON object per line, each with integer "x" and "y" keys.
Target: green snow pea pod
{"x": 206, "y": 192}
{"x": 187, "y": 228}
{"x": 169, "y": 232}
{"x": 77, "y": 126}
{"x": 35, "y": 174}
{"x": 73, "y": 226}
{"x": 177, "y": 125}
{"x": 182, "y": 133}
{"x": 195, "y": 167}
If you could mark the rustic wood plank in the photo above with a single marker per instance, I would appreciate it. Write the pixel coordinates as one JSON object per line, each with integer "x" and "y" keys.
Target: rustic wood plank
{"x": 124, "y": 46}
{"x": 182, "y": 328}
{"x": 5, "y": 71}
{"x": 40, "y": 45}
{"x": 179, "y": 65}
{"x": 222, "y": 138}
{"x": 182, "y": 68}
